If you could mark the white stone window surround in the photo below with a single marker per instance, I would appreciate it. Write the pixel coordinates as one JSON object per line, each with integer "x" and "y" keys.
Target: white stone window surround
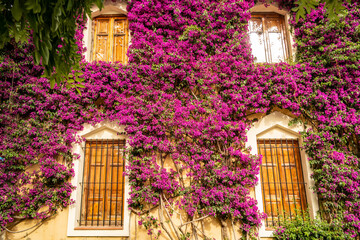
{"x": 276, "y": 126}
{"x": 104, "y": 130}
{"x": 110, "y": 8}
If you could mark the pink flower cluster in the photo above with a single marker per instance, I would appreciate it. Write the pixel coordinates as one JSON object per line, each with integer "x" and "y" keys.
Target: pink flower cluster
{"x": 185, "y": 97}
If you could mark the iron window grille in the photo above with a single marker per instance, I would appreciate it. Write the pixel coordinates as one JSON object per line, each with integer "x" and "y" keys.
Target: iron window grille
{"x": 282, "y": 180}
{"x": 102, "y": 188}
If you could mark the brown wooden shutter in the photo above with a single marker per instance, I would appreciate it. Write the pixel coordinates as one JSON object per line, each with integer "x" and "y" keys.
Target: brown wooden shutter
{"x": 103, "y": 183}
{"x": 121, "y": 40}
{"x": 102, "y": 34}
{"x": 282, "y": 181}
{"x": 111, "y": 39}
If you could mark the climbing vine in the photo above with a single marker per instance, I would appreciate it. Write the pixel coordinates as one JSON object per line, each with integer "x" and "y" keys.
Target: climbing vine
{"x": 185, "y": 98}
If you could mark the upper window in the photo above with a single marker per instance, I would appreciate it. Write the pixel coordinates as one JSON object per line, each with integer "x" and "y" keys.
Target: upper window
{"x": 111, "y": 38}
{"x": 282, "y": 180}
{"x": 268, "y": 37}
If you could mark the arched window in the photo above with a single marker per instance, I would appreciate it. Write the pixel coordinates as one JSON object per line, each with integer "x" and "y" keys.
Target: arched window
{"x": 284, "y": 179}
{"x": 100, "y": 207}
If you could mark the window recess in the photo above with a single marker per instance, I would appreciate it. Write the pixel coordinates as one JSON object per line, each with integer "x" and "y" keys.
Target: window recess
{"x": 111, "y": 39}
{"x": 102, "y": 198}
{"x": 282, "y": 180}
{"x": 268, "y": 37}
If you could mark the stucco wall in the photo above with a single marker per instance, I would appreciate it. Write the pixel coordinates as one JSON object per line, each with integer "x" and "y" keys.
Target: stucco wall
{"x": 56, "y": 229}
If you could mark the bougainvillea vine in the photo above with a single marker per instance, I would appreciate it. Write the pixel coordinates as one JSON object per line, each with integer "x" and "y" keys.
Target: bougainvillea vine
{"x": 185, "y": 97}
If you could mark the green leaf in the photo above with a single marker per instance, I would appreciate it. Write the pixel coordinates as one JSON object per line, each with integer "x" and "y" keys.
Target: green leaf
{"x": 16, "y": 10}
{"x": 300, "y": 13}
{"x": 54, "y": 24}
{"x": 37, "y": 8}
{"x": 80, "y": 85}
{"x": 37, "y": 57}
{"x": 99, "y": 4}
{"x": 304, "y": 5}
{"x": 30, "y": 4}
{"x": 45, "y": 54}
{"x": 52, "y": 82}
{"x": 69, "y": 5}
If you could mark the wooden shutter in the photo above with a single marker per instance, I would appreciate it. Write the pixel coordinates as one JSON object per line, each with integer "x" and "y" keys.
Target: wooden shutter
{"x": 111, "y": 39}
{"x": 102, "y": 39}
{"x": 268, "y": 37}
{"x": 121, "y": 36}
{"x": 283, "y": 186}
{"x": 103, "y": 183}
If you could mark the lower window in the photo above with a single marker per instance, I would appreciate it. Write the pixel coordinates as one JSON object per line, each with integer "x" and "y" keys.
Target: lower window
{"x": 282, "y": 180}
{"x": 102, "y": 199}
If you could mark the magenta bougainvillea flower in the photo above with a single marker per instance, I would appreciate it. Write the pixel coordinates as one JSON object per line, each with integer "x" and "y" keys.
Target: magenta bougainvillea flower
{"x": 184, "y": 97}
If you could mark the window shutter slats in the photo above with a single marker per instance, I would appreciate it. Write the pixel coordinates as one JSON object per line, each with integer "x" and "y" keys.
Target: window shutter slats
{"x": 103, "y": 181}
{"x": 111, "y": 39}
{"x": 283, "y": 186}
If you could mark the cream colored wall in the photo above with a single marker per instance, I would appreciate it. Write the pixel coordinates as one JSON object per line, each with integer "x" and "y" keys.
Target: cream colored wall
{"x": 55, "y": 229}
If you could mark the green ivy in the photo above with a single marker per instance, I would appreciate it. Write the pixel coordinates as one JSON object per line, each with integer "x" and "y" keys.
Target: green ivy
{"x": 302, "y": 227}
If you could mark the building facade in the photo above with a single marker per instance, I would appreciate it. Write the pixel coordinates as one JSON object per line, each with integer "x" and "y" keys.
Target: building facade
{"x": 278, "y": 183}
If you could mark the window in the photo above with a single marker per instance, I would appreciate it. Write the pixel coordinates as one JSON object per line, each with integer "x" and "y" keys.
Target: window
{"x": 100, "y": 207}
{"x": 111, "y": 38}
{"x": 268, "y": 37}
{"x": 282, "y": 180}
{"x": 102, "y": 203}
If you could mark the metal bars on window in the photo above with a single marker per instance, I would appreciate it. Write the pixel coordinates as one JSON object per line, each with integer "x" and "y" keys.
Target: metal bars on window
{"x": 282, "y": 180}
{"x": 102, "y": 200}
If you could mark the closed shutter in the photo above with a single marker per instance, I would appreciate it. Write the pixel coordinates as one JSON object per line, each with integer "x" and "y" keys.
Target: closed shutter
{"x": 283, "y": 186}
{"x": 111, "y": 39}
{"x": 103, "y": 183}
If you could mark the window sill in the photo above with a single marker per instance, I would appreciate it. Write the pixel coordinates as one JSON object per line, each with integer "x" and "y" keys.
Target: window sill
{"x": 96, "y": 232}
{"x": 267, "y": 233}
{"x": 98, "y": 228}
{"x": 269, "y": 229}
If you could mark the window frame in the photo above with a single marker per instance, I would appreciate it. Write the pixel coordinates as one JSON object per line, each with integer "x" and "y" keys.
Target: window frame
{"x": 110, "y": 9}
{"x": 281, "y": 182}
{"x": 277, "y": 124}
{"x": 110, "y": 45}
{"x": 268, "y": 12}
{"x": 105, "y": 130}
{"x": 92, "y": 184}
